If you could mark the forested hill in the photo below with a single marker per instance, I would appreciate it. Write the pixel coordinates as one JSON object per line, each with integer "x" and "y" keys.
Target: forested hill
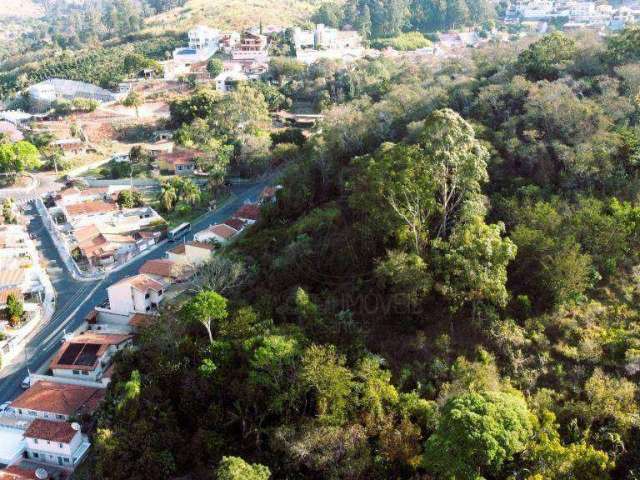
{"x": 447, "y": 287}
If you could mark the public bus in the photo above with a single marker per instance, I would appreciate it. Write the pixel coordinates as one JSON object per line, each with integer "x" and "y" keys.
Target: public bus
{"x": 178, "y": 232}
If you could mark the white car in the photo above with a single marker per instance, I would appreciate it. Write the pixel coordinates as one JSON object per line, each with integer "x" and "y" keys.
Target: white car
{"x": 26, "y": 383}
{"x": 4, "y": 407}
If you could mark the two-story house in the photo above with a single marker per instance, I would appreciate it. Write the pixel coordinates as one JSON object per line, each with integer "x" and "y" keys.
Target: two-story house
{"x": 192, "y": 253}
{"x": 57, "y": 443}
{"x": 139, "y": 293}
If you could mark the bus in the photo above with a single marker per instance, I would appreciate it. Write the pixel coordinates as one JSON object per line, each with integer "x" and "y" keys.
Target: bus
{"x": 178, "y": 232}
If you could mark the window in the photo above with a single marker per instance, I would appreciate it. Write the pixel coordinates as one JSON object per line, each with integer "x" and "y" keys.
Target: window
{"x": 35, "y": 455}
{"x": 85, "y": 373}
{"x": 66, "y": 460}
{"x": 35, "y": 440}
{"x": 76, "y": 372}
{"x": 60, "y": 417}
{"x": 147, "y": 296}
{"x": 60, "y": 445}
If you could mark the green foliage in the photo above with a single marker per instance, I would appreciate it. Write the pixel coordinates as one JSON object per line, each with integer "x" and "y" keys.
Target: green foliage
{"x": 130, "y": 199}
{"x": 15, "y": 310}
{"x": 206, "y": 307}
{"x": 545, "y": 59}
{"x": 235, "y": 468}
{"x": 18, "y": 157}
{"x": 404, "y": 42}
{"x": 8, "y": 213}
{"x": 477, "y": 434}
{"x": 215, "y": 67}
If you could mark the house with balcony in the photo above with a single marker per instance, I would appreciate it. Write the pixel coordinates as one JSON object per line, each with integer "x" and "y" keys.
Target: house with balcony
{"x": 252, "y": 46}
{"x": 137, "y": 294}
{"x": 55, "y": 443}
{"x": 86, "y": 357}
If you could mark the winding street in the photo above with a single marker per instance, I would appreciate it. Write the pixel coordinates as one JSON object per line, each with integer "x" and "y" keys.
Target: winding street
{"x": 75, "y": 299}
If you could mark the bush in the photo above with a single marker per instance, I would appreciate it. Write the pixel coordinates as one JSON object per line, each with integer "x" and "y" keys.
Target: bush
{"x": 183, "y": 209}
{"x": 290, "y": 135}
{"x": 404, "y": 41}
{"x": 284, "y": 152}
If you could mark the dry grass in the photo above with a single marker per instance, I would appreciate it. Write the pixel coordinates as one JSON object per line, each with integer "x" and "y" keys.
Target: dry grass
{"x": 234, "y": 14}
{"x": 20, "y": 8}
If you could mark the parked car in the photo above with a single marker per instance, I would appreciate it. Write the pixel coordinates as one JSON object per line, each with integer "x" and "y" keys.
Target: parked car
{"x": 26, "y": 383}
{"x": 4, "y": 407}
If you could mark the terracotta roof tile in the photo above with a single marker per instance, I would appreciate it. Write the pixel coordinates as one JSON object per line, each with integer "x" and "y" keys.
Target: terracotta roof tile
{"x": 250, "y": 211}
{"x": 205, "y": 246}
{"x": 61, "y": 432}
{"x": 4, "y": 295}
{"x": 91, "y": 207}
{"x": 235, "y": 223}
{"x": 17, "y": 473}
{"x": 141, "y": 320}
{"x": 142, "y": 283}
{"x": 10, "y": 278}
{"x": 162, "y": 268}
{"x": 222, "y": 230}
{"x": 91, "y": 347}
{"x": 60, "y": 398}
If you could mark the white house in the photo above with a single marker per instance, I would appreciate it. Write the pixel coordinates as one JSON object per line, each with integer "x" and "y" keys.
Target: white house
{"x": 87, "y": 356}
{"x": 203, "y": 43}
{"x": 57, "y": 443}
{"x": 191, "y": 253}
{"x": 221, "y": 233}
{"x": 139, "y": 293}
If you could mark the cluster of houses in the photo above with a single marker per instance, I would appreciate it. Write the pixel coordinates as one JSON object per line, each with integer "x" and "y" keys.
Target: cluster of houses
{"x": 575, "y": 14}
{"x": 23, "y": 279}
{"x": 247, "y": 53}
{"x": 98, "y": 233}
{"x": 44, "y": 432}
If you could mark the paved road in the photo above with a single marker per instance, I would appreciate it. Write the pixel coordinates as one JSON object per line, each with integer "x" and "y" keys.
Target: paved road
{"x": 76, "y": 299}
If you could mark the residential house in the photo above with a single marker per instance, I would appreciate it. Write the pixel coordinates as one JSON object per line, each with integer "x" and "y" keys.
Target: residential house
{"x": 192, "y": 253}
{"x": 252, "y": 46}
{"x": 139, "y": 293}
{"x": 203, "y": 43}
{"x": 87, "y": 356}
{"x": 220, "y": 232}
{"x": 56, "y": 443}
{"x": 229, "y": 80}
{"x": 73, "y": 195}
{"x": 249, "y": 213}
{"x": 70, "y": 146}
{"x": 228, "y": 41}
{"x": 57, "y": 401}
{"x": 165, "y": 270}
{"x": 178, "y": 162}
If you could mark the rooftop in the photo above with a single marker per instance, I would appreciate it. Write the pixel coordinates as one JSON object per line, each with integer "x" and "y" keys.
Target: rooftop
{"x": 142, "y": 283}
{"x": 249, "y": 211}
{"x": 141, "y": 320}
{"x": 59, "y": 398}
{"x": 4, "y": 294}
{"x": 11, "y": 278}
{"x": 83, "y": 351}
{"x": 222, "y": 230}
{"x": 162, "y": 268}
{"x": 61, "y": 432}
{"x": 235, "y": 223}
{"x": 91, "y": 207}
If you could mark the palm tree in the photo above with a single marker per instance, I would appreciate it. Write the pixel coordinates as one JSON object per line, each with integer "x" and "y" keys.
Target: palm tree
{"x": 167, "y": 197}
{"x": 190, "y": 192}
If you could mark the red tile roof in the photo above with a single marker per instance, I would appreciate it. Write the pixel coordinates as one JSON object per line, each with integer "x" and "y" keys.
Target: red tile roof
{"x": 222, "y": 230}
{"x": 61, "y": 432}
{"x": 4, "y": 295}
{"x": 17, "y": 473}
{"x": 162, "y": 268}
{"x": 235, "y": 223}
{"x": 250, "y": 211}
{"x": 142, "y": 283}
{"x": 60, "y": 398}
{"x": 179, "y": 250}
{"x": 181, "y": 157}
{"x": 91, "y": 207}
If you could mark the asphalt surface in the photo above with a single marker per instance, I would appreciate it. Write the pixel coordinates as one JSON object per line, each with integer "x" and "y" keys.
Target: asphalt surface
{"x": 75, "y": 299}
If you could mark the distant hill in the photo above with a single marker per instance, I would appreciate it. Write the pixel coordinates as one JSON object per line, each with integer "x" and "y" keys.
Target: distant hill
{"x": 234, "y": 14}
{"x": 20, "y": 8}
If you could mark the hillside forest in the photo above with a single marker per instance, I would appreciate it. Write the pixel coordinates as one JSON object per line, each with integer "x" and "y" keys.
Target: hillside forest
{"x": 445, "y": 288}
